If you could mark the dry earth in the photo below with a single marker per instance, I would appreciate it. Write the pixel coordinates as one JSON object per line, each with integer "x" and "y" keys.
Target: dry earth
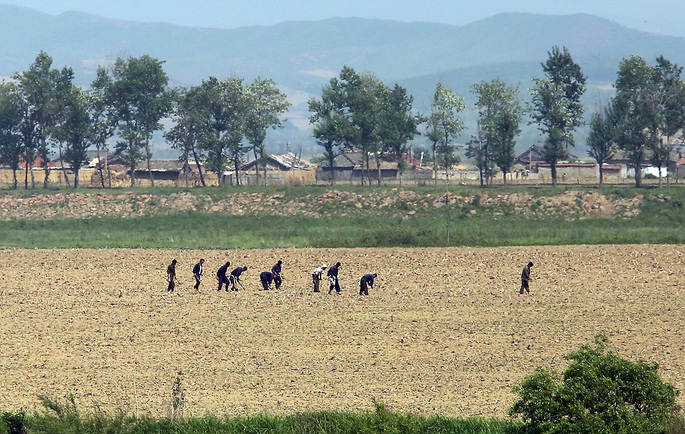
{"x": 444, "y": 331}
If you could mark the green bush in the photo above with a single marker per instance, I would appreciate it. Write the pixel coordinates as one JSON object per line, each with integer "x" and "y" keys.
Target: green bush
{"x": 600, "y": 392}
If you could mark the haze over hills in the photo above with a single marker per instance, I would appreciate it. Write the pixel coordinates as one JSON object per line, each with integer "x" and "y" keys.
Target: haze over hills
{"x": 302, "y": 56}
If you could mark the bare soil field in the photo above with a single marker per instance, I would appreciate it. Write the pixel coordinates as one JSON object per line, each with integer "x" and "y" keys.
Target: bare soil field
{"x": 443, "y": 332}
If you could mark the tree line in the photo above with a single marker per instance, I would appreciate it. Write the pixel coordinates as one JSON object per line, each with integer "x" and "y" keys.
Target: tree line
{"x": 43, "y": 112}
{"x": 216, "y": 123}
{"x": 645, "y": 118}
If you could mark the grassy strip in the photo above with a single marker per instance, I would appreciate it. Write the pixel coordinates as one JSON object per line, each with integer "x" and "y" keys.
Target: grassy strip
{"x": 380, "y": 421}
{"x": 659, "y": 222}
{"x": 212, "y": 231}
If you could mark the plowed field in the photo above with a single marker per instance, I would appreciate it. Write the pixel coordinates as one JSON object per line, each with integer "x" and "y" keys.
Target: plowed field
{"x": 444, "y": 330}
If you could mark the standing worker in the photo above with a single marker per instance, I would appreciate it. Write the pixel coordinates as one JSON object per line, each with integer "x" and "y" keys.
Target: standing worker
{"x": 365, "y": 283}
{"x": 235, "y": 277}
{"x": 333, "y": 278}
{"x": 316, "y": 277}
{"x": 525, "y": 278}
{"x": 221, "y": 275}
{"x": 198, "y": 269}
{"x": 266, "y": 278}
{"x": 171, "y": 276}
{"x": 276, "y": 271}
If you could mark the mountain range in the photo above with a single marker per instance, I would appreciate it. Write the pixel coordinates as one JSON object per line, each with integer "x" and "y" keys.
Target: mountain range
{"x": 302, "y": 56}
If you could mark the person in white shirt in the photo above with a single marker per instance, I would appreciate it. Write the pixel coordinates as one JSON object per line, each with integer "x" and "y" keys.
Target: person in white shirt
{"x": 316, "y": 277}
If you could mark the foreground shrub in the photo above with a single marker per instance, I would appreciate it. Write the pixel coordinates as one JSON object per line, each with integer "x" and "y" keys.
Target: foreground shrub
{"x": 600, "y": 392}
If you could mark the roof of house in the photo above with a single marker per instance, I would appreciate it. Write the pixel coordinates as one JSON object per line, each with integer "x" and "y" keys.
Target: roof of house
{"x": 287, "y": 161}
{"x": 535, "y": 154}
{"x": 161, "y": 166}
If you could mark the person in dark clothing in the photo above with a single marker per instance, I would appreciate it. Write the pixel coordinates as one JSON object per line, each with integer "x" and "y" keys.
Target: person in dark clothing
{"x": 525, "y": 278}
{"x": 267, "y": 277}
{"x": 221, "y": 276}
{"x": 198, "y": 269}
{"x": 235, "y": 277}
{"x": 333, "y": 278}
{"x": 276, "y": 271}
{"x": 171, "y": 276}
{"x": 365, "y": 283}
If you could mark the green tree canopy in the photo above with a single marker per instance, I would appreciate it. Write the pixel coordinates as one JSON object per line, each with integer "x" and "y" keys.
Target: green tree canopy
{"x": 11, "y": 115}
{"x": 443, "y": 126}
{"x": 266, "y": 103}
{"x": 556, "y": 106}
{"x": 600, "y": 392}
{"x": 499, "y": 117}
{"x": 138, "y": 95}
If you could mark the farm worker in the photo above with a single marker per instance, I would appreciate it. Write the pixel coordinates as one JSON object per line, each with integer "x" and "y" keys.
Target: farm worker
{"x": 235, "y": 277}
{"x": 267, "y": 277}
{"x": 171, "y": 276}
{"x": 365, "y": 283}
{"x": 525, "y": 278}
{"x": 316, "y": 276}
{"x": 221, "y": 276}
{"x": 333, "y": 278}
{"x": 276, "y": 271}
{"x": 198, "y": 269}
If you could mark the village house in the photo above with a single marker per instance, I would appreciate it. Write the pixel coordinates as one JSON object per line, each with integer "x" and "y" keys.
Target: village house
{"x": 286, "y": 169}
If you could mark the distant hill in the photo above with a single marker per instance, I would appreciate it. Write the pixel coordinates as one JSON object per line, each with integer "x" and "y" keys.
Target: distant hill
{"x": 302, "y": 56}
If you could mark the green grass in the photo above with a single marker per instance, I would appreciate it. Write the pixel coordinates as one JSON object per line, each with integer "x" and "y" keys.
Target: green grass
{"x": 67, "y": 419}
{"x": 201, "y": 231}
{"x": 659, "y": 222}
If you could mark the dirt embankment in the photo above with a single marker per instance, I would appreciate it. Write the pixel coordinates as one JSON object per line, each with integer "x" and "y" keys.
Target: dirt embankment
{"x": 444, "y": 330}
{"x": 391, "y": 203}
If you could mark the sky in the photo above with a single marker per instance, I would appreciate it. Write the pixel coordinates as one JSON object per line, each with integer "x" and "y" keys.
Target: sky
{"x": 658, "y": 16}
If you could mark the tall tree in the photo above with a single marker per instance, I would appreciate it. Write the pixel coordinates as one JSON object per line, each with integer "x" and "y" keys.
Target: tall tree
{"x": 190, "y": 128}
{"x": 557, "y": 109}
{"x": 443, "y": 126}
{"x": 59, "y": 130}
{"x": 332, "y": 129}
{"x": 499, "y": 117}
{"x": 353, "y": 112}
{"x": 76, "y": 130}
{"x": 103, "y": 117}
{"x": 138, "y": 93}
{"x": 647, "y": 111}
{"x": 398, "y": 126}
{"x": 266, "y": 105}
{"x": 364, "y": 97}
{"x": 11, "y": 112}
{"x": 671, "y": 103}
{"x": 219, "y": 113}
{"x": 37, "y": 86}
{"x": 601, "y": 140}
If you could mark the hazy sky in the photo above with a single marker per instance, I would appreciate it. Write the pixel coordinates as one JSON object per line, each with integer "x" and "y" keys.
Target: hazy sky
{"x": 660, "y": 16}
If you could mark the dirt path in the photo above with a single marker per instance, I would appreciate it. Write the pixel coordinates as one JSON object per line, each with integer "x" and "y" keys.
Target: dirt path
{"x": 444, "y": 331}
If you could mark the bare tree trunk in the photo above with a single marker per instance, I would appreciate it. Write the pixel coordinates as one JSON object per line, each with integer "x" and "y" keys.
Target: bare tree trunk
{"x": 76, "y": 183}
{"x": 102, "y": 175}
{"x": 46, "y": 170}
{"x": 109, "y": 174}
{"x": 61, "y": 162}
{"x": 237, "y": 175}
{"x": 149, "y": 173}
{"x": 256, "y": 165}
{"x": 16, "y": 181}
{"x": 378, "y": 167}
{"x": 601, "y": 175}
{"x": 435, "y": 165}
{"x": 199, "y": 168}
{"x": 553, "y": 167}
{"x": 638, "y": 176}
